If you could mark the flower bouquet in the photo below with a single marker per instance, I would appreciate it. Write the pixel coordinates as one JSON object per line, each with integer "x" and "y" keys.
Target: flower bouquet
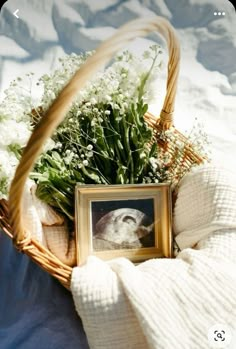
{"x": 104, "y": 138}
{"x": 107, "y": 136}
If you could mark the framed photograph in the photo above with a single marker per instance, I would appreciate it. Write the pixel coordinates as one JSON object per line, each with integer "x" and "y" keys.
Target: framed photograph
{"x": 132, "y": 221}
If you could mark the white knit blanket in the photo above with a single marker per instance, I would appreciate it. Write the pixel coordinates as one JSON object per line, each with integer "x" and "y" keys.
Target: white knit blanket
{"x": 169, "y": 303}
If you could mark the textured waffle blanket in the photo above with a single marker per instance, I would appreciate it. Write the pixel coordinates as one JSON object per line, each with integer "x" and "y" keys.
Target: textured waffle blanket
{"x": 169, "y": 303}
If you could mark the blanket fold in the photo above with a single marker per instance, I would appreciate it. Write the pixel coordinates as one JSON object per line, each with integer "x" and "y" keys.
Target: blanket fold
{"x": 166, "y": 303}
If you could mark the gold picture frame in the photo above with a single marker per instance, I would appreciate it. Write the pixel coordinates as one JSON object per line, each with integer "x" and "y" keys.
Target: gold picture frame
{"x": 132, "y": 221}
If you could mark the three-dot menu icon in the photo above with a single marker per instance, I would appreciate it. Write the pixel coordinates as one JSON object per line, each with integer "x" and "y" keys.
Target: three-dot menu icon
{"x": 219, "y": 13}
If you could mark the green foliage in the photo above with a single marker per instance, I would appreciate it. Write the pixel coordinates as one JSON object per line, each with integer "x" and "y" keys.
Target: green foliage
{"x": 102, "y": 141}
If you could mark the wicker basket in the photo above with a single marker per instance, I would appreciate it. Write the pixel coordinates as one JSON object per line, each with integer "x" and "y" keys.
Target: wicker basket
{"x": 11, "y": 212}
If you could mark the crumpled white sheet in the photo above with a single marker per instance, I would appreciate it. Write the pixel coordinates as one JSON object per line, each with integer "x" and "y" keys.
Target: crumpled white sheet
{"x": 161, "y": 303}
{"x": 169, "y": 303}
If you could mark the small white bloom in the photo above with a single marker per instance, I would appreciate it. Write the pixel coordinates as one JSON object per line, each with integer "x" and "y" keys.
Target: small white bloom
{"x": 90, "y": 147}
{"x": 93, "y": 100}
{"x": 89, "y": 154}
{"x": 85, "y": 162}
{"x": 93, "y": 122}
{"x": 116, "y": 106}
{"x": 108, "y": 98}
{"x": 49, "y": 145}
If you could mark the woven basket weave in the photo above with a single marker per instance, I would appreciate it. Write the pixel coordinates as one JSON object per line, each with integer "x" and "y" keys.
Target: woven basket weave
{"x": 11, "y": 219}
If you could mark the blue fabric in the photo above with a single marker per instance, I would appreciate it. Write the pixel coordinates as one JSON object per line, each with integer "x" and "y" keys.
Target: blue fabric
{"x": 36, "y": 312}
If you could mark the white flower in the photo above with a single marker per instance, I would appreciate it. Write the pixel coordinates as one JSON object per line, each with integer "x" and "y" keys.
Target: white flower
{"x": 13, "y": 132}
{"x": 148, "y": 180}
{"x": 8, "y": 163}
{"x": 93, "y": 122}
{"x": 93, "y": 100}
{"x": 142, "y": 155}
{"x": 153, "y": 162}
{"x": 85, "y": 162}
{"x": 108, "y": 98}
{"x": 89, "y": 154}
{"x": 90, "y": 147}
{"x": 49, "y": 145}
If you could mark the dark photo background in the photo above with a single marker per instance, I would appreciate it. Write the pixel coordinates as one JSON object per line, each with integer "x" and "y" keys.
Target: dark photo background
{"x": 101, "y": 208}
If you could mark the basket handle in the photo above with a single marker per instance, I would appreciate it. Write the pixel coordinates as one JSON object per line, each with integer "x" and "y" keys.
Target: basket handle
{"x": 59, "y": 108}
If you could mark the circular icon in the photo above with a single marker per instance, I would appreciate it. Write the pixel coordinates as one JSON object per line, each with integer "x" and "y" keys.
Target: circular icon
{"x": 219, "y": 336}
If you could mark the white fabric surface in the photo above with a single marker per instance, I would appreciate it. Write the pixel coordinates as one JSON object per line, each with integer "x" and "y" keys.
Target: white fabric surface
{"x": 206, "y": 202}
{"x": 46, "y": 226}
{"x": 166, "y": 303}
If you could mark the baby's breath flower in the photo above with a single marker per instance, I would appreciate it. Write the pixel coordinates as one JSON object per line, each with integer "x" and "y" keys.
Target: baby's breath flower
{"x": 89, "y": 154}
{"x": 108, "y": 98}
{"x": 93, "y": 100}
{"x": 93, "y": 122}
{"x": 104, "y": 130}
{"x": 116, "y": 106}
